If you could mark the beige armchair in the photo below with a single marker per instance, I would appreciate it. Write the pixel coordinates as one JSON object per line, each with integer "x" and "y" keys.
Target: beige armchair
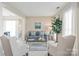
{"x": 64, "y": 46}
{"x": 12, "y": 47}
{"x": 19, "y": 47}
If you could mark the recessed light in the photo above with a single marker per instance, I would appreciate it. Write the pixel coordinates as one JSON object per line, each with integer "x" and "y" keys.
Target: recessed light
{"x": 57, "y": 7}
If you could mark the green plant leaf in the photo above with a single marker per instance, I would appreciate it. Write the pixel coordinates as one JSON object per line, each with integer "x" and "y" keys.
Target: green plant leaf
{"x": 57, "y": 25}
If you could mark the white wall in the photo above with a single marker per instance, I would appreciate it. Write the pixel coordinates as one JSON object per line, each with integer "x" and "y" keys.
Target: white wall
{"x": 78, "y": 27}
{"x": 1, "y": 21}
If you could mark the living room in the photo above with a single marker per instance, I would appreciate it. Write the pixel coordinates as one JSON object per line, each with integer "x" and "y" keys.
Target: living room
{"x": 29, "y": 28}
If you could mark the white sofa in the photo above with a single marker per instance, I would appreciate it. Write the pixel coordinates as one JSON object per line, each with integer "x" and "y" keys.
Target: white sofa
{"x": 64, "y": 46}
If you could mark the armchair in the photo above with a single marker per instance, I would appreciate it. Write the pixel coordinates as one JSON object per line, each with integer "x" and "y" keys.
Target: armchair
{"x": 64, "y": 46}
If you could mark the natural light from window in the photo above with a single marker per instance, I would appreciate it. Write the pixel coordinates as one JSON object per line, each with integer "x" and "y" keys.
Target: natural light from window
{"x": 10, "y": 26}
{"x": 67, "y": 23}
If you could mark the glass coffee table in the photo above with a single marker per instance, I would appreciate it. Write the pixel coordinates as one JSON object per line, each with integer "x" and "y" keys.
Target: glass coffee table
{"x": 37, "y": 49}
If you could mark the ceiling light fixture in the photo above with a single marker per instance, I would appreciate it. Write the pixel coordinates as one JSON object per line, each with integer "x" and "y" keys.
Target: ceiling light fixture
{"x": 57, "y": 7}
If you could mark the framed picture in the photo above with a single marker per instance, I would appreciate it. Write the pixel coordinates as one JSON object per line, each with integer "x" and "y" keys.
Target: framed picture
{"x": 37, "y": 25}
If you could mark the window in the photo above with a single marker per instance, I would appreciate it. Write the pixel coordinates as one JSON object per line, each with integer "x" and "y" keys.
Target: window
{"x": 10, "y": 26}
{"x": 67, "y": 23}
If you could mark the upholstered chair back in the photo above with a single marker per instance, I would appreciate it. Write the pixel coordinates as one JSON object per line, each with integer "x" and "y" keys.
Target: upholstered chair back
{"x": 65, "y": 45}
{"x": 6, "y": 46}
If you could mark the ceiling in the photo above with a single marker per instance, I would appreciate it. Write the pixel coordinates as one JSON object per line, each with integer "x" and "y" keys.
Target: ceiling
{"x": 37, "y": 8}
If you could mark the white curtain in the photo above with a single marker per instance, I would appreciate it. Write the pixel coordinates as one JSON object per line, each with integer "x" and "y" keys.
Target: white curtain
{"x": 67, "y": 23}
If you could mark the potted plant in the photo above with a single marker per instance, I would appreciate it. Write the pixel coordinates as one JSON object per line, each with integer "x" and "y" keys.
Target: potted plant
{"x": 57, "y": 27}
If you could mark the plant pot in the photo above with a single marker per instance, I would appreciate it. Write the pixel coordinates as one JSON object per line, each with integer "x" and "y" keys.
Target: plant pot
{"x": 56, "y": 37}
